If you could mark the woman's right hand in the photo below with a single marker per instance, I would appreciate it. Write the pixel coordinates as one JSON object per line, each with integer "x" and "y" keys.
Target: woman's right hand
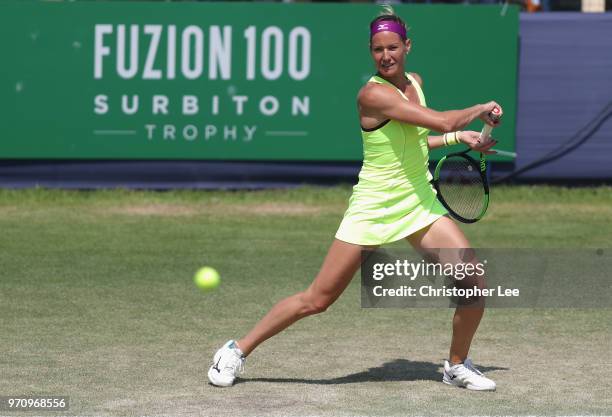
{"x": 487, "y": 109}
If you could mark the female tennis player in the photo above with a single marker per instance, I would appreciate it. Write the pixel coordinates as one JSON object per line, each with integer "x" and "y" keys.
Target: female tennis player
{"x": 393, "y": 200}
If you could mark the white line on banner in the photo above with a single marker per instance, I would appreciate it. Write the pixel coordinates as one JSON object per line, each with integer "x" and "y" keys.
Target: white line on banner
{"x": 114, "y": 132}
{"x": 286, "y": 133}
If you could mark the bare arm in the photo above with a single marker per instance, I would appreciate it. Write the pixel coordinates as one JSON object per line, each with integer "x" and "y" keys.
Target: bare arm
{"x": 382, "y": 102}
{"x": 469, "y": 138}
{"x": 435, "y": 142}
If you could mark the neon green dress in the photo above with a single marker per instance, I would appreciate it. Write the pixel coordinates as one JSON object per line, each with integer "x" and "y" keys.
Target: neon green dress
{"x": 394, "y": 197}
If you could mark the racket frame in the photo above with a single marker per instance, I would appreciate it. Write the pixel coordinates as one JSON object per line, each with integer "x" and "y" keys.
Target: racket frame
{"x": 481, "y": 167}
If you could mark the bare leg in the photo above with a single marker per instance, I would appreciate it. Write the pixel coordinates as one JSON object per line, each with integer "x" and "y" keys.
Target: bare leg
{"x": 342, "y": 261}
{"x": 444, "y": 233}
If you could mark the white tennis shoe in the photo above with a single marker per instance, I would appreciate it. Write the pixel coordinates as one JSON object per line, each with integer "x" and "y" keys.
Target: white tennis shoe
{"x": 465, "y": 375}
{"x": 228, "y": 363}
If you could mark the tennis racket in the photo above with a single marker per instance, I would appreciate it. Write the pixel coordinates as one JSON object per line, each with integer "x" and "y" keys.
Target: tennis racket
{"x": 462, "y": 186}
{"x": 461, "y": 182}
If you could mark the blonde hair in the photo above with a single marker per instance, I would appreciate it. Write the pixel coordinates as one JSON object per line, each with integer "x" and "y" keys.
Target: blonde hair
{"x": 387, "y": 10}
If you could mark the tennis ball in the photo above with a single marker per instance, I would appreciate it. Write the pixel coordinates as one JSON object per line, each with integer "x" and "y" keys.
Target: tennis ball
{"x": 207, "y": 278}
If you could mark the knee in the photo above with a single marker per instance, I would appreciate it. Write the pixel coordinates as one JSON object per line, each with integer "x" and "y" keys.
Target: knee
{"x": 314, "y": 303}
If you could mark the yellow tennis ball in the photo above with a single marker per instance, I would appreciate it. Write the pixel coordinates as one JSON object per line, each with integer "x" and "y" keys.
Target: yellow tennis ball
{"x": 207, "y": 278}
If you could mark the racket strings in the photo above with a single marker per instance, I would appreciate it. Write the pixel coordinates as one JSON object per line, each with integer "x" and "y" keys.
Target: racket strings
{"x": 461, "y": 186}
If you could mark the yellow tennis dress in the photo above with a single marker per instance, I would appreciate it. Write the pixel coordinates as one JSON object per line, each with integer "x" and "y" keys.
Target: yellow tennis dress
{"x": 394, "y": 197}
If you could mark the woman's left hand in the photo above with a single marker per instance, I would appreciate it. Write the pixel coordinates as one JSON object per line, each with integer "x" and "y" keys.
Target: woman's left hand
{"x": 472, "y": 139}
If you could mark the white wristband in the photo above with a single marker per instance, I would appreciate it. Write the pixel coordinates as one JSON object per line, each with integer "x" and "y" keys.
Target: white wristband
{"x": 451, "y": 139}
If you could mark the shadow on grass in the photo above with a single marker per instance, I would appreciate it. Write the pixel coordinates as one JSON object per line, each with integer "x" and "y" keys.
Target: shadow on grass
{"x": 397, "y": 370}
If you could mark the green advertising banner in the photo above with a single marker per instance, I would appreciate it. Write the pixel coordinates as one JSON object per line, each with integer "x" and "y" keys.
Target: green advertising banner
{"x": 231, "y": 81}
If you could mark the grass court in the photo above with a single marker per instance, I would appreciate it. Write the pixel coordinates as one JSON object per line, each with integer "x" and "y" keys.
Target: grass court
{"x": 97, "y": 303}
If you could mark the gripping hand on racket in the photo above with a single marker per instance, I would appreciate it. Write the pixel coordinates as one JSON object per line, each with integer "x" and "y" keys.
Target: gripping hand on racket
{"x": 488, "y": 110}
{"x": 492, "y": 118}
{"x": 472, "y": 139}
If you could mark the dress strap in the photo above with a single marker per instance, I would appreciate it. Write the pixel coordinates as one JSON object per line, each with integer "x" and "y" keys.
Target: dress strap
{"x": 418, "y": 89}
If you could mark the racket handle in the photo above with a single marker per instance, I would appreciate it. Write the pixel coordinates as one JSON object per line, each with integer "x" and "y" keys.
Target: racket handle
{"x": 486, "y": 132}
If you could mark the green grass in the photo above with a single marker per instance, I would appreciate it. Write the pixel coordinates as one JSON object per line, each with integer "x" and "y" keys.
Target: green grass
{"x": 97, "y": 303}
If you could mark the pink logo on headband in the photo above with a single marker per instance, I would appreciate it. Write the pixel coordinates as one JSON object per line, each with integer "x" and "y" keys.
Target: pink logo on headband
{"x": 388, "y": 26}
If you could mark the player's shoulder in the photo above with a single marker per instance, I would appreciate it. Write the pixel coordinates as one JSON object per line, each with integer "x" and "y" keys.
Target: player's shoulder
{"x": 417, "y": 77}
{"x": 372, "y": 93}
